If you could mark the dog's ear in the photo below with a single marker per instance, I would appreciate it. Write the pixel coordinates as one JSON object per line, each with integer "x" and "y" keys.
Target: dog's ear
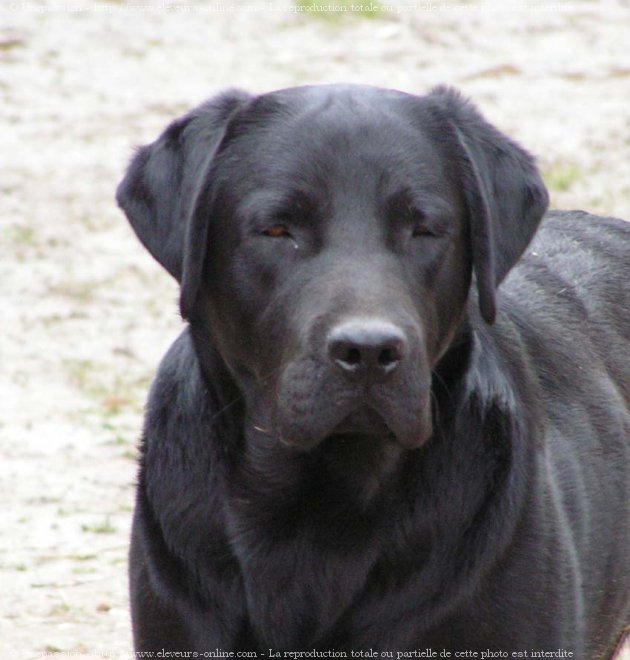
{"x": 505, "y": 194}
{"x": 160, "y": 191}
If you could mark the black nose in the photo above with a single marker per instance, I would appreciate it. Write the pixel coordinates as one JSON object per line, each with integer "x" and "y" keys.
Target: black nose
{"x": 366, "y": 350}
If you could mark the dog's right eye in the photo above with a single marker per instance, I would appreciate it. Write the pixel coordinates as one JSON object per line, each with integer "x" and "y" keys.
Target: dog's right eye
{"x": 276, "y": 231}
{"x": 279, "y": 231}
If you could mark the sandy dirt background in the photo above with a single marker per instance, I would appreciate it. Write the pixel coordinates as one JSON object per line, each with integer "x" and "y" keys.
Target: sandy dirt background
{"x": 86, "y": 312}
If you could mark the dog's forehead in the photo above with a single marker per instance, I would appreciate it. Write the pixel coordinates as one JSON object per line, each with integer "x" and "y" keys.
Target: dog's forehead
{"x": 339, "y": 131}
{"x": 332, "y": 112}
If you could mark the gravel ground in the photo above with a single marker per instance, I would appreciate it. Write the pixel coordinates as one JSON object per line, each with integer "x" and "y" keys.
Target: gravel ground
{"x": 90, "y": 314}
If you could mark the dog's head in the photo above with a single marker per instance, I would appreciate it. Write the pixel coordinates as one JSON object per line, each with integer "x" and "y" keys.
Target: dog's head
{"x": 325, "y": 239}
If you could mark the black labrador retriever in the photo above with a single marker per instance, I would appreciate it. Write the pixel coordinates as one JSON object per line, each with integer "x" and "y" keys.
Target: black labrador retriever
{"x": 376, "y": 435}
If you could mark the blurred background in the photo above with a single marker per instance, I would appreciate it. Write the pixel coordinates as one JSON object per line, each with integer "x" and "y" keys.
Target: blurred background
{"x": 88, "y": 314}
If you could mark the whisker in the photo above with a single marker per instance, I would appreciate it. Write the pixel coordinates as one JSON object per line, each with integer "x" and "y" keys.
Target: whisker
{"x": 226, "y": 407}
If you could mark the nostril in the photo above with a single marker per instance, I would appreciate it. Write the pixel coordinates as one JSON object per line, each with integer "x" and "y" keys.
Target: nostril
{"x": 353, "y": 357}
{"x": 388, "y": 357}
{"x": 345, "y": 354}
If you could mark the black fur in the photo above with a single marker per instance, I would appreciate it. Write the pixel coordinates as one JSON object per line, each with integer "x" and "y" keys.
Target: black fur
{"x": 469, "y": 489}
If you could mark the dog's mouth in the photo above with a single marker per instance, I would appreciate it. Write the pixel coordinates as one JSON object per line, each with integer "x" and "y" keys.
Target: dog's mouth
{"x": 364, "y": 421}
{"x": 303, "y": 417}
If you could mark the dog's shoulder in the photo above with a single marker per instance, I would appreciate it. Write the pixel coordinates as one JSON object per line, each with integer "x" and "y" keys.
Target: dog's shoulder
{"x": 581, "y": 252}
{"x": 178, "y": 391}
{"x": 183, "y": 414}
{"x": 184, "y": 417}
{"x": 573, "y": 276}
{"x": 566, "y": 313}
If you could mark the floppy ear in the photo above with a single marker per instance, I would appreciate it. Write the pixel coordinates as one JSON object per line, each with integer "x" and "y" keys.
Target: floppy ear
{"x": 160, "y": 191}
{"x": 504, "y": 192}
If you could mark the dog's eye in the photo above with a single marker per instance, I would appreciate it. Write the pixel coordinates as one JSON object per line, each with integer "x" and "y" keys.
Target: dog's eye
{"x": 276, "y": 231}
{"x": 280, "y": 231}
{"x": 421, "y": 225}
{"x": 422, "y": 231}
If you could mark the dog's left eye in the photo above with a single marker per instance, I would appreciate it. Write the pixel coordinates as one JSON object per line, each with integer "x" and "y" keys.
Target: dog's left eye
{"x": 276, "y": 231}
{"x": 422, "y": 231}
{"x": 421, "y": 224}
